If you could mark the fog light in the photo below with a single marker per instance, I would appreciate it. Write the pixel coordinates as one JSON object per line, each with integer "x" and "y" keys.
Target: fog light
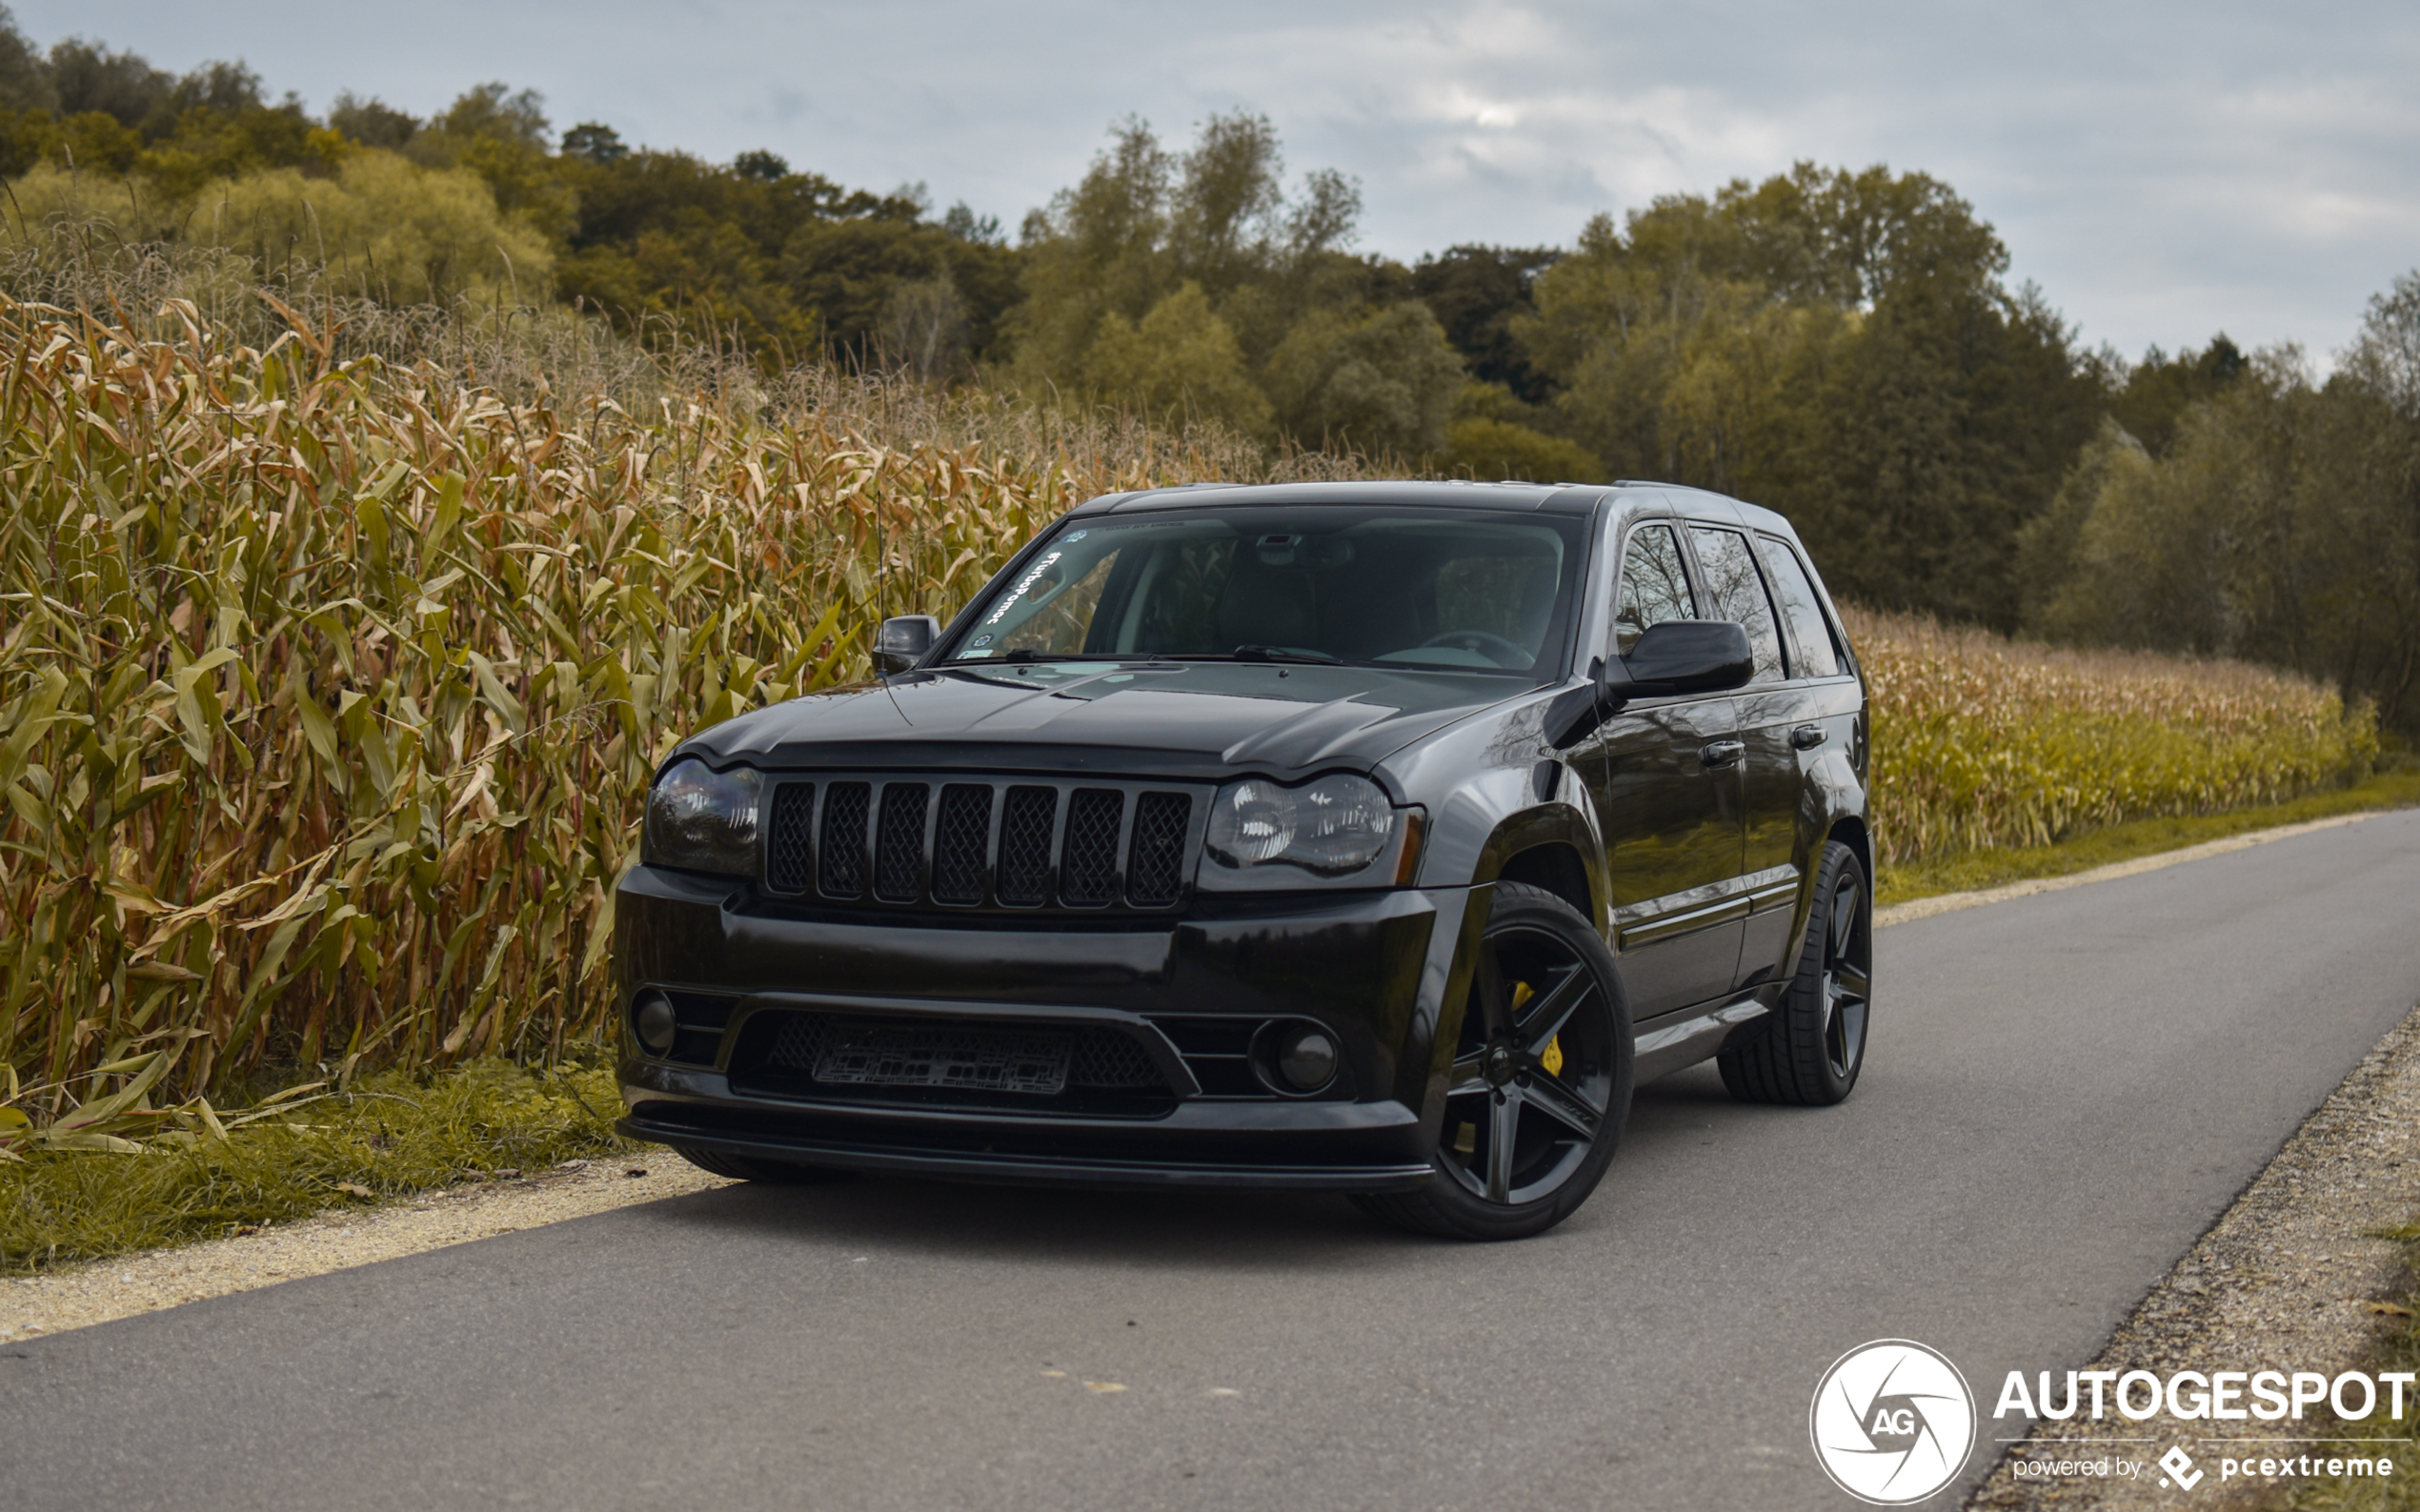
{"x": 652, "y": 1018}
{"x": 1306, "y": 1058}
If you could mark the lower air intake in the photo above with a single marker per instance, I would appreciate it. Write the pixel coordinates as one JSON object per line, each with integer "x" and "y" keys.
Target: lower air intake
{"x": 889, "y": 1060}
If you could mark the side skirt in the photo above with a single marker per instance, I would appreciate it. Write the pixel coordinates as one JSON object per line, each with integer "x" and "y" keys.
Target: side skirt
{"x": 1676, "y": 1039}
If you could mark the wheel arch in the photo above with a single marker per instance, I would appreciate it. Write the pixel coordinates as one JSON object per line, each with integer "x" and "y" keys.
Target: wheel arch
{"x": 1849, "y": 829}
{"x": 1553, "y": 866}
{"x": 1550, "y": 847}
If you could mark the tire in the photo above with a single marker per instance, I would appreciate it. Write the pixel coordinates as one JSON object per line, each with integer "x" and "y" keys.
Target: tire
{"x": 1543, "y": 1054}
{"x": 751, "y": 1168}
{"x": 1814, "y": 1045}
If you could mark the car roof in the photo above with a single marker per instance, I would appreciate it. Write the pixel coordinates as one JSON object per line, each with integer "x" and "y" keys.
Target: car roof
{"x": 1689, "y": 500}
{"x": 1575, "y": 499}
{"x": 1559, "y": 497}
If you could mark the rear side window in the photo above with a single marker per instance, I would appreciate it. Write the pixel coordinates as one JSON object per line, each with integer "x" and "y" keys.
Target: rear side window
{"x": 1654, "y": 588}
{"x": 1739, "y": 595}
{"x": 1812, "y": 653}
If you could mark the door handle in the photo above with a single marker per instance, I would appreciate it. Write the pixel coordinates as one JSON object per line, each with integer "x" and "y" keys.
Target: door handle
{"x": 1807, "y": 737}
{"x": 1721, "y": 753}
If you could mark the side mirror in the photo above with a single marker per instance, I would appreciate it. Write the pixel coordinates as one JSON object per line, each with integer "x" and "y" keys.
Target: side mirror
{"x": 1679, "y": 655}
{"x": 903, "y": 640}
{"x": 1686, "y": 655}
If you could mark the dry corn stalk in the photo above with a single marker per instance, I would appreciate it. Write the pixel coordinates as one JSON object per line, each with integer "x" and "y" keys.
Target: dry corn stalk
{"x": 328, "y": 690}
{"x": 1981, "y": 742}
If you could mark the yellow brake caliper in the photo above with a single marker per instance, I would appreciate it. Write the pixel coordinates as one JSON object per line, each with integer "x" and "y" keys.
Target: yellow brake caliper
{"x": 1552, "y": 1060}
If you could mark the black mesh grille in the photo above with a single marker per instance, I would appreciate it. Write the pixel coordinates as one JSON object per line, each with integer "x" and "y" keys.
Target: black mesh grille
{"x": 842, "y": 853}
{"x": 1025, "y": 826}
{"x": 1088, "y": 864}
{"x": 1155, "y": 860}
{"x": 898, "y": 853}
{"x": 789, "y": 854}
{"x": 958, "y": 836}
{"x": 1103, "y": 1058}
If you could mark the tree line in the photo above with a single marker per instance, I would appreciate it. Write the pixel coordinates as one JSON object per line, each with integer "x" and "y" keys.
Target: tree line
{"x": 1838, "y": 344}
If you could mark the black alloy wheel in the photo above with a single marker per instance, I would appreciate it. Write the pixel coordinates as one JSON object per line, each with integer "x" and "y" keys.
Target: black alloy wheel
{"x": 1814, "y": 1045}
{"x": 1541, "y": 1080}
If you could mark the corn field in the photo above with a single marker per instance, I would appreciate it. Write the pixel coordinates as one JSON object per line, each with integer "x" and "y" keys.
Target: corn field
{"x": 1982, "y": 742}
{"x": 330, "y": 688}
{"x": 332, "y": 670}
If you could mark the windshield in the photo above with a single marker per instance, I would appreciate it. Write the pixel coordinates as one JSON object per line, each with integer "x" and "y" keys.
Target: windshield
{"x": 1397, "y": 587}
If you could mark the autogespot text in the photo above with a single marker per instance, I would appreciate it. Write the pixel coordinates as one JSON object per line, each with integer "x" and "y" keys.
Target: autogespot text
{"x": 2267, "y": 1394}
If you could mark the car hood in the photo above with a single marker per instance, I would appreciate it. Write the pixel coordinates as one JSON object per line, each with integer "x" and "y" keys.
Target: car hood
{"x": 1196, "y": 720}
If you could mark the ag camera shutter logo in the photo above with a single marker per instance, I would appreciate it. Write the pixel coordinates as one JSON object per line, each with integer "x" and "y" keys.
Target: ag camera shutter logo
{"x": 1892, "y": 1421}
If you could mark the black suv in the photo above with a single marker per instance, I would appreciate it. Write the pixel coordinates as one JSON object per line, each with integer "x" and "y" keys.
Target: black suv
{"x": 1370, "y": 838}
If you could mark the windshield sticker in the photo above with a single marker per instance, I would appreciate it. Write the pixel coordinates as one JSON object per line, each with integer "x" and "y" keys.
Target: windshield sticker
{"x": 982, "y": 640}
{"x": 1077, "y": 535}
{"x": 1019, "y": 592}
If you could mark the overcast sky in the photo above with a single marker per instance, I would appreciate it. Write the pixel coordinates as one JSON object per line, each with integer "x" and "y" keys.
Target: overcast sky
{"x": 2164, "y": 171}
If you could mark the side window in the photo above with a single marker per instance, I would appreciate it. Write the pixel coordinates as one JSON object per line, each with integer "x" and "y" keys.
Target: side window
{"x": 1654, "y": 588}
{"x": 1812, "y": 653}
{"x": 1738, "y": 594}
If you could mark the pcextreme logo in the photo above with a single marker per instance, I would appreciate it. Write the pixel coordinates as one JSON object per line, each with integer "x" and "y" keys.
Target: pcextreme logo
{"x": 1892, "y": 1421}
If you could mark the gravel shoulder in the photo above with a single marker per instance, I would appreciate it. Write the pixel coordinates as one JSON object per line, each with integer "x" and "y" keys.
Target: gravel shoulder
{"x": 2291, "y": 1278}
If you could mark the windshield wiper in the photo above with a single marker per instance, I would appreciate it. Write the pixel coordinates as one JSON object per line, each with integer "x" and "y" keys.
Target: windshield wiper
{"x": 1285, "y": 653}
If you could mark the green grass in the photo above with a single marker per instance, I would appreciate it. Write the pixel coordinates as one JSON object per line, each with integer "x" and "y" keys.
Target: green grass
{"x": 390, "y": 1136}
{"x": 1969, "y": 870}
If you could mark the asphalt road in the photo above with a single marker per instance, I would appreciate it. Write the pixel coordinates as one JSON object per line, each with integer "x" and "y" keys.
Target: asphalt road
{"x": 2063, "y": 1092}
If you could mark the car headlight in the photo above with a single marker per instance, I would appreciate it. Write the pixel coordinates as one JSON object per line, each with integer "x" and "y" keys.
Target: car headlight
{"x": 704, "y": 820}
{"x": 1336, "y": 824}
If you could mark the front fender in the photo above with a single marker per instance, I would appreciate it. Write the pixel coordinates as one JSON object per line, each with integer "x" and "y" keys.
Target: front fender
{"x": 1482, "y": 823}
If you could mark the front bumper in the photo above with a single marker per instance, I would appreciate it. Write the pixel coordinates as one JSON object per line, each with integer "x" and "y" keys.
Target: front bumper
{"x": 1373, "y": 967}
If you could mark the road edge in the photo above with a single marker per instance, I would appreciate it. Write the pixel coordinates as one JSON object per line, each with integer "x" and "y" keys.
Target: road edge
{"x": 336, "y": 1239}
{"x": 2289, "y": 1277}
{"x": 1952, "y": 902}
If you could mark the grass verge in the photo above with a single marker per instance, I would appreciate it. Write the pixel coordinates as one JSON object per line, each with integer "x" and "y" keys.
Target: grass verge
{"x": 1969, "y": 870}
{"x": 390, "y": 1136}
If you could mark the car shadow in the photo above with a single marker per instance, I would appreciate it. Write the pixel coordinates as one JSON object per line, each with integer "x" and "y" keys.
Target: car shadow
{"x": 1211, "y": 1229}
{"x": 1692, "y": 1093}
